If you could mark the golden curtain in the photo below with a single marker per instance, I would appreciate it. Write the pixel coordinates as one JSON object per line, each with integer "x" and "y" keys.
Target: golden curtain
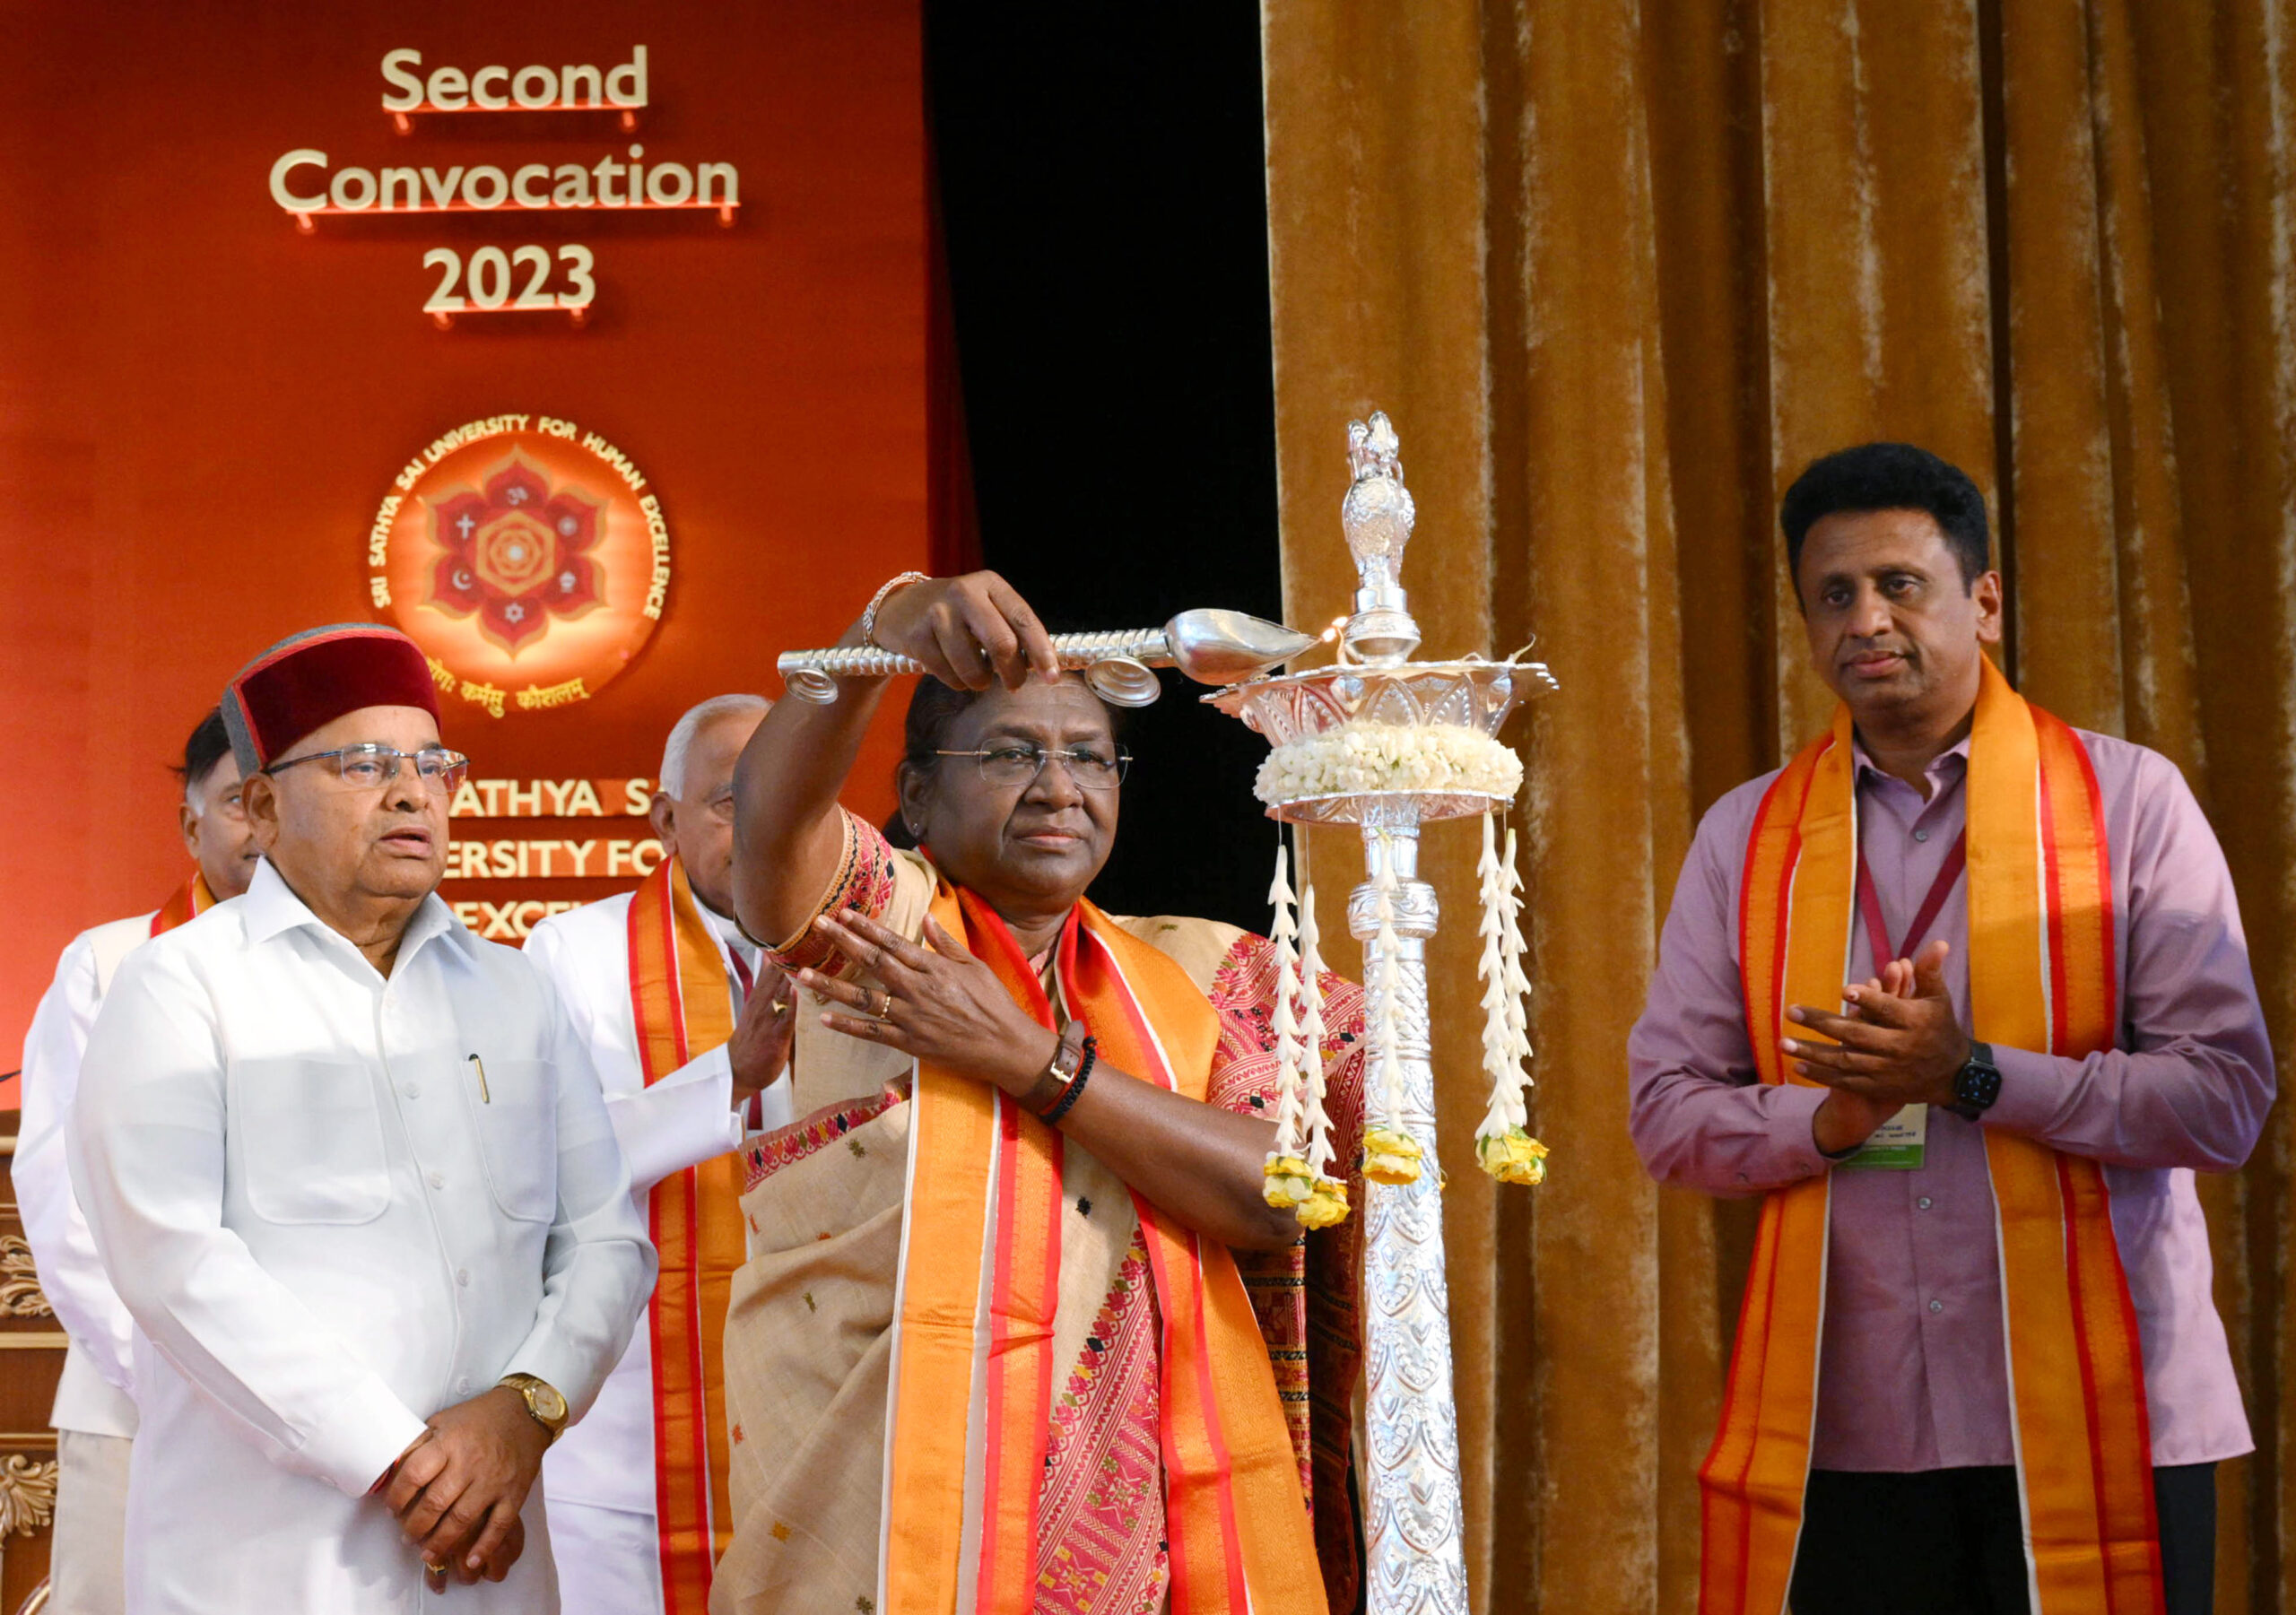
{"x": 1619, "y": 271}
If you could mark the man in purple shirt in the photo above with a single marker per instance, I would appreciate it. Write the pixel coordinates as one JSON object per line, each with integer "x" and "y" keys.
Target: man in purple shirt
{"x": 1912, "y": 1501}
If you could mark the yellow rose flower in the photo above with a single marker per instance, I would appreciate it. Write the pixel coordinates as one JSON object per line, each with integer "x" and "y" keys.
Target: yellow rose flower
{"x": 1513, "y": 1156}
{"x": 1289, "y": 1181}
{"x": 1390, "y": 1155}
{"x": 1325, "y": 1206}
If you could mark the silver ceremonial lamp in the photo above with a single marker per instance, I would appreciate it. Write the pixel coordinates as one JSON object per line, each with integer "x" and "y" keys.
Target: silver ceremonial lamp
{"x": 1416, "y": 1561}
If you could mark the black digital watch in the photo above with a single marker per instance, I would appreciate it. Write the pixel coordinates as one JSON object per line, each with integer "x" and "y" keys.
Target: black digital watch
{"x": 1977, "y": 1084}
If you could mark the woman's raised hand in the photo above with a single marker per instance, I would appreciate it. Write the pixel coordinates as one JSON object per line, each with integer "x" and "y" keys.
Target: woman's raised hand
{"x": 968, "y": 631}
{"x": 941, "y": 1004}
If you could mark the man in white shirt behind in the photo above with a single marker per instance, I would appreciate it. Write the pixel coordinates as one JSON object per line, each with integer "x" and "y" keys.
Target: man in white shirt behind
{"x": 637, "y": 1530}
{"x": 95, "y": 1416}
{"x": 349, "y": 1169}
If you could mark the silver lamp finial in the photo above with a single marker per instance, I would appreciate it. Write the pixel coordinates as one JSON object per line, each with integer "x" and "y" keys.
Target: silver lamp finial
{"x": 1377, "y": 514}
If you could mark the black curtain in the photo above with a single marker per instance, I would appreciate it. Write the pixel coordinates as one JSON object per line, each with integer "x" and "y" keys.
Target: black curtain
{"x": 1102, "y": 192}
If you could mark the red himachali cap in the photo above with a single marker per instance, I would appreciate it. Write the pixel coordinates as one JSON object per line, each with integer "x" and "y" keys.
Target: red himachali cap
{"x": 308, "y": 680}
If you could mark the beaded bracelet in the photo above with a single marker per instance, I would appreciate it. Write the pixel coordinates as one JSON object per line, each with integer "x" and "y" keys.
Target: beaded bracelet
{"x": 1075, "y": 1088}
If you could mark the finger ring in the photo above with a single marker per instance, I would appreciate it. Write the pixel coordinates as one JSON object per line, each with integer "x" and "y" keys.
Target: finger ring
{"x": 434, "y": 1569}
{"x": 884, "y": 1003}
{"x": 779, "y": 1006}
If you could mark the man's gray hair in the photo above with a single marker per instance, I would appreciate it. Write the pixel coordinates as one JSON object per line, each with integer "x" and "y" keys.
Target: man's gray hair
{"x": 683, "y": 732}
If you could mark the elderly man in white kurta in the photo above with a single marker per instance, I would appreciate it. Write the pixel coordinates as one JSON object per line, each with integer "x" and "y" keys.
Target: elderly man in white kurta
{"x": 350, "y": 1171}
{"x": 94, "y": 1415}
{"x": 637, "y": 1522}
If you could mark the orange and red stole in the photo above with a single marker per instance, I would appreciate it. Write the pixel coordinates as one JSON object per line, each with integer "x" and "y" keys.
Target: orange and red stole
{"x": 684, "y": 1008}
{"x": 192, "y": 899}
{"x": 980, "y": 1282}
{"x": 2042, "y": 975}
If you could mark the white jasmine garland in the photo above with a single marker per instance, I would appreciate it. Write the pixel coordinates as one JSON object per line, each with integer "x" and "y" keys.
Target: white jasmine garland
{"x": 1316, "y": 1123}
{"x": 1364, "y": 756}
{"x": 1291, "y": 1086}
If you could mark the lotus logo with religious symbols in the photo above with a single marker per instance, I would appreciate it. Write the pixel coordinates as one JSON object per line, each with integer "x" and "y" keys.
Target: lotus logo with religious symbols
{"x": 528, "y": 558}
{"x": 516, "y": 552}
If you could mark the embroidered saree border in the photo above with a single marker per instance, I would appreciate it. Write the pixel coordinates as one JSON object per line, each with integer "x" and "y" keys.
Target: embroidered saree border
{"x": 682, "y": 1008}
{"x": 864, "y": 881}
{"x": 2042, "y": 975}
{"x": 786, "y": 1146}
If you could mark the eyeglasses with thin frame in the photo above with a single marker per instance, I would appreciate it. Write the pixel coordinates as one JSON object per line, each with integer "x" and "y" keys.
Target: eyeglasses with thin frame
{"x": 1019, "y": 762}
{"x": 370, "y": 766}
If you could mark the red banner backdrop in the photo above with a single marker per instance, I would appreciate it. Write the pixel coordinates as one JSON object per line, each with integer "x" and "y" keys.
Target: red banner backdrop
{"x": 705, "y": 438}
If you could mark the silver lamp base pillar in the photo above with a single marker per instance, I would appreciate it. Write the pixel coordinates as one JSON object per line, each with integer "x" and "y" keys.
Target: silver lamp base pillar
{"x": 1416, "y": 1562}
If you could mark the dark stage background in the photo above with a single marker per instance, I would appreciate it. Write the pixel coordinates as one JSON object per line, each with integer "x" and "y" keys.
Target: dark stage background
{"x": 1103, "y": 196}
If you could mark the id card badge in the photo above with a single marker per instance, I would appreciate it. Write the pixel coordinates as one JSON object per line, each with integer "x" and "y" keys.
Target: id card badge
{"x": 1896, "y": 1145}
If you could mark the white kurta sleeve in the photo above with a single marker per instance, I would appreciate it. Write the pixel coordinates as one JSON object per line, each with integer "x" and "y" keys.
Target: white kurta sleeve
{"x": 147, "y": 1150}
{"x": 687, "y": 1117}
{"x": 71, "y": 1273}
{"x": 599, "y": 1265}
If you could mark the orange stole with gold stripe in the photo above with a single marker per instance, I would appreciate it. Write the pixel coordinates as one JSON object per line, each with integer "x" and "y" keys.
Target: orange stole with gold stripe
{"x": 979, "y": 1290}
{"x": 683, "y": 1008}
{"x": 2042, "y": 975}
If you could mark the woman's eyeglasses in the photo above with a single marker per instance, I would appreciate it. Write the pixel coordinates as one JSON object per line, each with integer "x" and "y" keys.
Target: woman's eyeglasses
{"x": 1019, "y": 762}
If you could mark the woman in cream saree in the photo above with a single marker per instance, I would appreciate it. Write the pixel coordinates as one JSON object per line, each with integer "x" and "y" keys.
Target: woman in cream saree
{"x": 1016, "y": 1331}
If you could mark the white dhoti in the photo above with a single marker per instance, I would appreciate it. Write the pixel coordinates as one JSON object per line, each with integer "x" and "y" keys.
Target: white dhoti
{"x": 609, "y": 1560}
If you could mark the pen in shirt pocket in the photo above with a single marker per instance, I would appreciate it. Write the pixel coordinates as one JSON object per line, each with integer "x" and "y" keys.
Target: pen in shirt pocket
{"x": 485, "y": 1097}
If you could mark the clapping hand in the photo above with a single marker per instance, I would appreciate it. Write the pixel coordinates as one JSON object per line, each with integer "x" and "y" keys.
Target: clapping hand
{"x": 1901, "y": 1044}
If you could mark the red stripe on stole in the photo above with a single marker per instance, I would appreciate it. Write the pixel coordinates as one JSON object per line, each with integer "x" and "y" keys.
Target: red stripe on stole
{"x": 2067, "y": 1194}
{"x": 662, "y": 1498}
{"x": 2053, "y": 894}
{"x": 692, "y": 1195}
{"x": 2095, "y": 796}
{"x": 1000, "y": 1313}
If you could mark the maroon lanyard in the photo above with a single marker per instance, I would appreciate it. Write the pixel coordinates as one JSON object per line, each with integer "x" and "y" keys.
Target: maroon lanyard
{"x": 1869, "y": 904}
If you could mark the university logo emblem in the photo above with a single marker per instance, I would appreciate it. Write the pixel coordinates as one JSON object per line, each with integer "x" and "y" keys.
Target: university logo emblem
{"x": 527, "y": 557}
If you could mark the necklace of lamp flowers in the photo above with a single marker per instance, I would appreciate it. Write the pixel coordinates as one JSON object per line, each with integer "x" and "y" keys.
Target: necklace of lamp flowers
{"x": 1299, "y": 1170}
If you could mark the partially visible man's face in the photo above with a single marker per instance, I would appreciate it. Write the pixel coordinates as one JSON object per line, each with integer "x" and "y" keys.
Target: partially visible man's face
{"x": 337, "y": 843}
{"x": 1894, "y": 630}
{"x": 216, "y": 831}
{"x": 698, "y": 823}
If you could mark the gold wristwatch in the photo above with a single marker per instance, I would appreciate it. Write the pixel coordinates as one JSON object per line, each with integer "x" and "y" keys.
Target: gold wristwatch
{"x": 544, "y": 1406}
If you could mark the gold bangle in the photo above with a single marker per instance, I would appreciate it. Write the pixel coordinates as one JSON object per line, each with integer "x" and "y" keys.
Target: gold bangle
{"x": 869, "y": 616}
